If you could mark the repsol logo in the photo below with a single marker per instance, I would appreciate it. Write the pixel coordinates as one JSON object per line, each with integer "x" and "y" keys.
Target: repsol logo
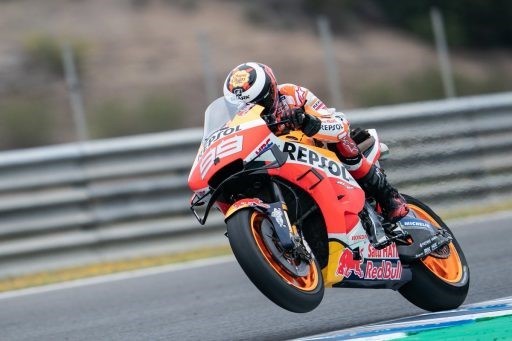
{"x": 331, "y": 127}
{"x": 218, "y": 134}
{"x": 301, "y": 154}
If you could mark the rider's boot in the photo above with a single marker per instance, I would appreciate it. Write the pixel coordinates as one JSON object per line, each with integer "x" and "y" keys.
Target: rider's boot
{"x": 371, "y": 179}
{"x": 375, "y": 184}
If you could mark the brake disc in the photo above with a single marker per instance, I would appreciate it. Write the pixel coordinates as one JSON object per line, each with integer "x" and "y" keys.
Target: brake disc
{"x": 294, "y": 264}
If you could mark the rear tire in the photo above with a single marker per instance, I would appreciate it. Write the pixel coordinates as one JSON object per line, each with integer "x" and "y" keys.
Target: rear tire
{"x": 437, "y": 284}
{"x": 298, "y": 294}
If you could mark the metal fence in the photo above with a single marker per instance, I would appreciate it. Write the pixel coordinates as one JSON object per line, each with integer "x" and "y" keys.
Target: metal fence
{"x": 71, "y": 204}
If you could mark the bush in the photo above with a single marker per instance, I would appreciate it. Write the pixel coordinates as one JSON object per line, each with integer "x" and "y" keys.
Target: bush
{"x": 467, "y": 23}
{"x": 25, "y": 123}
{"x": 44, "y": 52}
{"x": 154, "y": 113}
{"x": 427, "y": 85}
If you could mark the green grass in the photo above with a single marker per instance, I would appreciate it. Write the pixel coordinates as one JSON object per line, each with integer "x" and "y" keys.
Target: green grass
{"x": 494, "y": 328}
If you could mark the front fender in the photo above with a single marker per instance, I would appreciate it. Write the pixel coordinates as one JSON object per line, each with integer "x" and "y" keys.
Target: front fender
{"x": 244, "y": 203}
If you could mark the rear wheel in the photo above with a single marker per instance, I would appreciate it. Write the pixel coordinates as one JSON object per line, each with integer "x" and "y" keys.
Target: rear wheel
{"x": 289, "y": 281}
{"x": 440, "y": 281}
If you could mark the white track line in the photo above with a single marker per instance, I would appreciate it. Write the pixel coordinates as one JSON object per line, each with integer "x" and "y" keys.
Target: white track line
{"x": 118, "y": 276}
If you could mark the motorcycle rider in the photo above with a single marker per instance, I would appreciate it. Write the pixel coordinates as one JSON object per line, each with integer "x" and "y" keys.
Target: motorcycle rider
{"x": 292, "y": 107}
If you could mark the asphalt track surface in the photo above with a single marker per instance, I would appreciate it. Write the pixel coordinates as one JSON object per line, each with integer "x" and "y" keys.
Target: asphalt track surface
{"x": 217, "y": 302}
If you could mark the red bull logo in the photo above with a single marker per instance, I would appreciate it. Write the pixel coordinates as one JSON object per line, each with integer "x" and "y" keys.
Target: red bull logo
{"x": 380, "y": 269}
{"x": 385, "y": 270}
{"x": 347, "y": 265}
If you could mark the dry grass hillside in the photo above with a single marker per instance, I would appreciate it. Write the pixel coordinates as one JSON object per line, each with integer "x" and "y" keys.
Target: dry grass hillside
{"x": 135, "y": 50}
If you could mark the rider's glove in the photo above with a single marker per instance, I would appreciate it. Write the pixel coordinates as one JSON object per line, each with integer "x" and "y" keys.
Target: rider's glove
{"x": 294, "y": 118}
{"x": 299, "y": 119}
{"x": 311, "y": 125}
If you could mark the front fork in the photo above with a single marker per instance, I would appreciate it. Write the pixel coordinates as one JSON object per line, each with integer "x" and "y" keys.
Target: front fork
{"x": 278, "y": 214}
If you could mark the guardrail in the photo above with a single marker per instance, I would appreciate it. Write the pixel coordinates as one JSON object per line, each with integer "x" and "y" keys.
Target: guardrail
{"x": 69, "y": 204}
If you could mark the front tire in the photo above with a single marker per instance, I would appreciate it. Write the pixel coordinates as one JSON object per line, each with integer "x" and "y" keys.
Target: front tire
{"x": 437, "y": 284}
{"x": 264, "y": 268}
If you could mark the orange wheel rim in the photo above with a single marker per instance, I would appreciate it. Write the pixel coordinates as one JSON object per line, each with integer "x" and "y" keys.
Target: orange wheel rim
{"x": 448, "y": 269}
{"x": 305, "y": 283}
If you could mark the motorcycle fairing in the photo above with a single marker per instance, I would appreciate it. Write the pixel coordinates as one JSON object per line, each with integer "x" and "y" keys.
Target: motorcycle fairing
{"x": 319, "y": 173}
{"x": 344, "y": 228}
{"x": 224, "y": 145}
{"x": 365, "y": 267}
{"x": 307, "y": 166}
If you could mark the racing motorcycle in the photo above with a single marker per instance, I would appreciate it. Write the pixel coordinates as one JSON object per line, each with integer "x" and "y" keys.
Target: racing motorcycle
{"x": 298, "y": 222}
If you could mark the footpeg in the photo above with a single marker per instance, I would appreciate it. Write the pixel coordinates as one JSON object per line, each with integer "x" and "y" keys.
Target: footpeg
{"x": 374, "y": 228}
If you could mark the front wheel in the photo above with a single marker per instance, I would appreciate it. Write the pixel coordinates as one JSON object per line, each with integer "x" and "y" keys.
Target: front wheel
{"x": 290, "y": 282}
{"x": 438, "y": 283}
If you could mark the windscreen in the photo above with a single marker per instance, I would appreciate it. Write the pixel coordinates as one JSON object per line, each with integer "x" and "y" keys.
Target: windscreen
{"x": 218, "y": 113}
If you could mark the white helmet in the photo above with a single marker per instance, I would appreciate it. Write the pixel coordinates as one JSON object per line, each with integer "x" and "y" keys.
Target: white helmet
{"x": 253, "y": 83}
